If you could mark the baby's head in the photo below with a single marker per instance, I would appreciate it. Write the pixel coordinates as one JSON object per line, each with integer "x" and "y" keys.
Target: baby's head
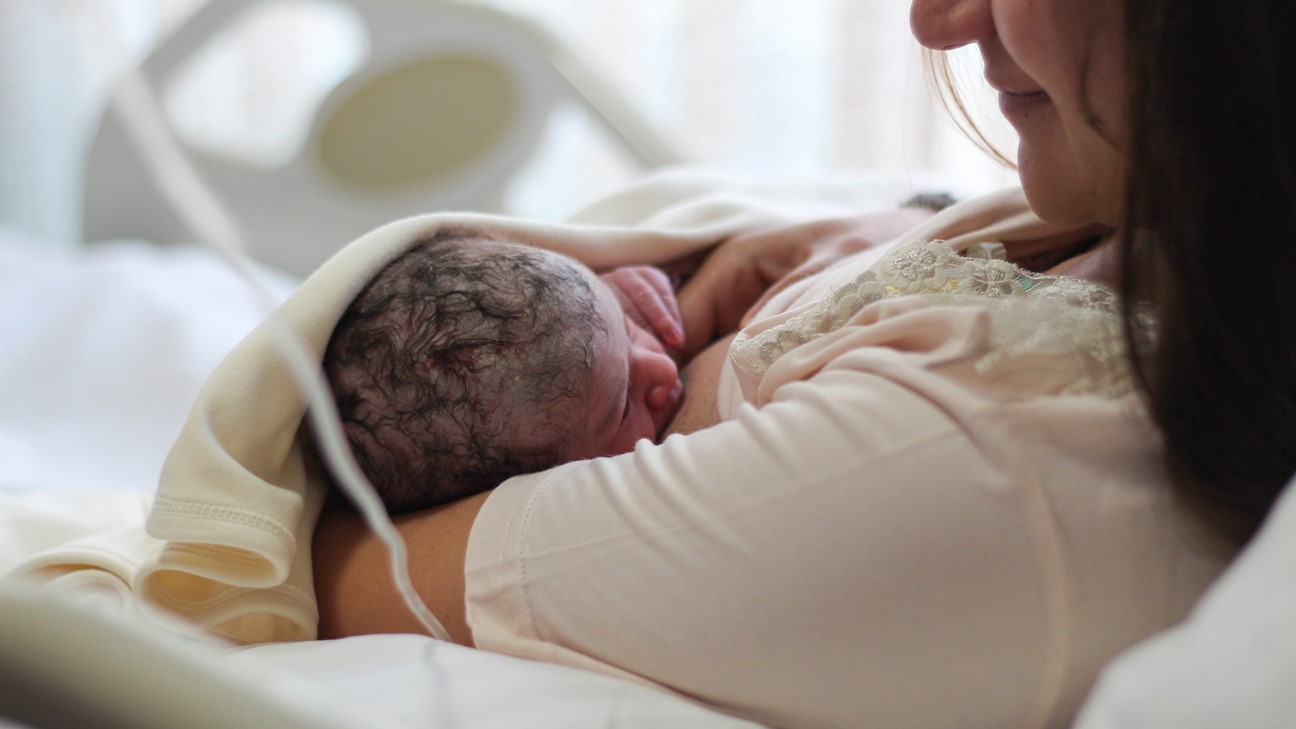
{"x": 470, "y": 359}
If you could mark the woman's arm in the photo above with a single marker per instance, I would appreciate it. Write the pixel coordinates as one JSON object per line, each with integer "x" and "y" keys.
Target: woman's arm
{"x": 353, "y": 583}
{"x": 848, "y": 523}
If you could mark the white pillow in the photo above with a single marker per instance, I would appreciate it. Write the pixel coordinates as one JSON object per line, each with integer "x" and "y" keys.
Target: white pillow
{"x": 102, "y": 353}
{"x": 1232, "y": 663}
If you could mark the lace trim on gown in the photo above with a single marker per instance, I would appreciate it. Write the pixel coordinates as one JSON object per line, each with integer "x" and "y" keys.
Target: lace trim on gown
{"x": 1066, "y": 326}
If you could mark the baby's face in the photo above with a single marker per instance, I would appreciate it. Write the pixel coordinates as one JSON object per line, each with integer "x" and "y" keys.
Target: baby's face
{"x": 635, "y": 387}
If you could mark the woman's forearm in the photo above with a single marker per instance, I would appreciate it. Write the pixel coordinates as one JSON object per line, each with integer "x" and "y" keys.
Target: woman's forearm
{"x": 353, "y": 582}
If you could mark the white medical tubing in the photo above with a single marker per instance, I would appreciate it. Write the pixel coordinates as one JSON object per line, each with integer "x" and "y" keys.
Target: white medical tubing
{"x": 142, "y": 118}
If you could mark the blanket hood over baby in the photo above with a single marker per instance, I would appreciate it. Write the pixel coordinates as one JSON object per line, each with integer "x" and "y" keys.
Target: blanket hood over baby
{"x": 236, "y": 503}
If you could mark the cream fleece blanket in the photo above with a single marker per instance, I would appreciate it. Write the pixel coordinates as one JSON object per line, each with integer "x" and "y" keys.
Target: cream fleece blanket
{"x": 227, "y": 540}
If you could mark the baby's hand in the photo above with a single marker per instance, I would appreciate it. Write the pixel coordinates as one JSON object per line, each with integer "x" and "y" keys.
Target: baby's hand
{"x": 647, "y": 298}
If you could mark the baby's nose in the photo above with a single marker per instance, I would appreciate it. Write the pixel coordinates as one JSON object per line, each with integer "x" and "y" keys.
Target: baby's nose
{"x": 660, "y": 378}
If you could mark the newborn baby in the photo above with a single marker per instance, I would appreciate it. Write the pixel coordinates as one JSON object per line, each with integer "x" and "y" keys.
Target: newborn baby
{"x": 471, "y": 359}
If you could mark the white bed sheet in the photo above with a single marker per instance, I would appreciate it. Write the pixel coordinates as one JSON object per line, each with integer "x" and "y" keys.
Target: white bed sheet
{"x": 101, "y": 354}
{"x": 416, "y": 681}
{"x": 396, "y": 681}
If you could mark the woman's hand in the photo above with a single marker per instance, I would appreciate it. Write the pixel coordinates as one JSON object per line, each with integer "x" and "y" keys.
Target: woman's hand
{"x": 743, "y": 272}
{"x": 647, "y": 297}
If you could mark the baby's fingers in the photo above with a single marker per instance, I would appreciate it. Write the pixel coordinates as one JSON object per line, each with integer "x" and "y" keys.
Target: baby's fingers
{"x": 659, "y": 306}
{"x": 646, "y": 296}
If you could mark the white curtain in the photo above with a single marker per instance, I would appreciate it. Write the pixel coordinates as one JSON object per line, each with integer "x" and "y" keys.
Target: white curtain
{"x": 57, "y": 59}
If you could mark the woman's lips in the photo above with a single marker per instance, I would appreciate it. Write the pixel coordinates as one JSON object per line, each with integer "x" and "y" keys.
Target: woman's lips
{"x": 1014, "y": 104}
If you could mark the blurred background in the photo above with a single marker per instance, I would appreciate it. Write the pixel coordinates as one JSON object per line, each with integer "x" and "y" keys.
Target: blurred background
{"x": 765, "y": 88}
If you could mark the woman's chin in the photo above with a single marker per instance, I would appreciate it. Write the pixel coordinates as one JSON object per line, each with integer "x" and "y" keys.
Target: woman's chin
{"x": 1067, "y": 188}
{"x": 1049, "y": 197}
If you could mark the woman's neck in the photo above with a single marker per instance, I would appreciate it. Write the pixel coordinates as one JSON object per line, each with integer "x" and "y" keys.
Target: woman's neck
{"x": 1095, "y": 262}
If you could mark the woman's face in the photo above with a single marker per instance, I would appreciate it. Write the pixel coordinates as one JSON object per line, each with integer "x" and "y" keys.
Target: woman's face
{"x": 1058, "y": 66}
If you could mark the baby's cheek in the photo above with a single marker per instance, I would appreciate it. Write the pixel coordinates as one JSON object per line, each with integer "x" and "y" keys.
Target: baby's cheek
{"x": 644, "y": 429}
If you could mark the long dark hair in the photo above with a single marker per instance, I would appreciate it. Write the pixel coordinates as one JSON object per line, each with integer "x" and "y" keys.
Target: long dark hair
{"x": 1211, "y": 242}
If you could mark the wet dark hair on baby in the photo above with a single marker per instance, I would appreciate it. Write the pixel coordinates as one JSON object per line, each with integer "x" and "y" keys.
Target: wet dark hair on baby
{"x": 456, "y": 367}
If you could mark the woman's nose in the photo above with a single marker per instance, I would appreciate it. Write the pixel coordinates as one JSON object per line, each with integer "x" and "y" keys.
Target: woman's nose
{"x": 944, "y": 25}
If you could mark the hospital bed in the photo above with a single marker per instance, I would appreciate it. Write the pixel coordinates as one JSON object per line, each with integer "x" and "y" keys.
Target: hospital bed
{"x": 444, "y": 109}
{"x": 102, "y": 349}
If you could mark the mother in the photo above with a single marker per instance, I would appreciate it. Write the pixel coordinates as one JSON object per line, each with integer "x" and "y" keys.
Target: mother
{"x": 965, "y": 484}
